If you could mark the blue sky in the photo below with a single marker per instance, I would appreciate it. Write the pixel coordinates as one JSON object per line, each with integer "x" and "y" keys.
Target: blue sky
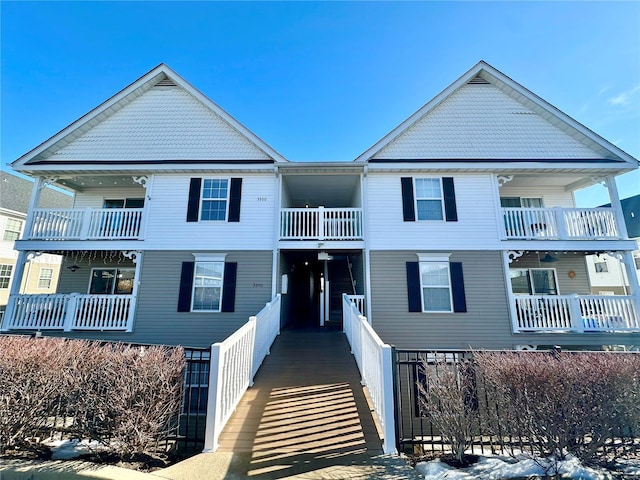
{"x": 320, "y": 81}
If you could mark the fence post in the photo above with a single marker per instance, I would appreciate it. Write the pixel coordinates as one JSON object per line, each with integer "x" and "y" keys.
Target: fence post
{"x": 211, "y": 432}
{"x": 575, "y": 313}
{"x": 69, "y": 312}
{"x": 388, "y": 389}
{"x": 361, "y": 321}
{"x": 561, "y": 223}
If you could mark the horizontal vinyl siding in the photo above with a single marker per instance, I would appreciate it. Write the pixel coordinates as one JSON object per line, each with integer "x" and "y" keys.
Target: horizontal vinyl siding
{"x": 476, "y": 227}
{"x": 566, "y": 262}
{"x": 485, "y": 324}
{"x": 95, "y": 197}
{"x": 167, "y": 227}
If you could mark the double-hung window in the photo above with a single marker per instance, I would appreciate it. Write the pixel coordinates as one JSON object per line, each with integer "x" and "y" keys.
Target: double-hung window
{"x": 12, "y": 230}
{"x": 45, "y": 278}
{"x": 435, "y": 282}
{"x": 429, "y": 204}
{"x": 5, "y": 275}
{"x": 207, "y": 286}
{"x": 215, "y": 196}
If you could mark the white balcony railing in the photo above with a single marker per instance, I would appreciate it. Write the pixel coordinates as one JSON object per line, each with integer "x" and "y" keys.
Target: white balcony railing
{"x": 573, "y": 313}
{"x": 69, "y": 312}
{"x": 559, "y": 223}
{"x": 86, "y": 224}
{"x": 321, "y": 223}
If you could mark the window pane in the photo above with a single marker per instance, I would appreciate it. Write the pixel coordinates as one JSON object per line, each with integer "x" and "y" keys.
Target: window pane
{"x": 428, "y": 188}
{"x": 213, "y": 210}
{"x": 520, "y": 281}
{"x": 544, "y": 281}
{"x": 12, "y": 230}
{"x": 434, "y": 274}
{"x": 430, "y": 210}
{"x": 436, "y": 300}
{"x": 102, "y": 281}
{"x": 214, "y": 199}
{"x": 124, "y": 283}
{"x": 207, "y": 286}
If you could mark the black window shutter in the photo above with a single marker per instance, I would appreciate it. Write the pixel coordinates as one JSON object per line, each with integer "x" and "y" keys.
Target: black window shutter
{"x": 186, "y": 284}
{"x": 457, "y": 287}
{"x": 408, "y": 209}
{"x": 234, "y": 199}
{"x": 450, "y": 210}
{"x": 413, "y": 287}
{"x": 229, "y": 287}
{"x": 193, "y": 207}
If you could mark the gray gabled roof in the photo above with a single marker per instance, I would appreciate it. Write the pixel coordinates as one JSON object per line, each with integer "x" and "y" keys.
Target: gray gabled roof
{"x": 15, "y": 193}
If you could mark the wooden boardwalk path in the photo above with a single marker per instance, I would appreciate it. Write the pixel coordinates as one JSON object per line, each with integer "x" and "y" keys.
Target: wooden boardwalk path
{"x": 307, "y": 403}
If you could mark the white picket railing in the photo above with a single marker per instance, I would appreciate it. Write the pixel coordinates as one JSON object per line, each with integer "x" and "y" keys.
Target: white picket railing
{"x": 573, "y": 313}
{"x": 86, "y": 224}
{"x": 359, "y": 302}
{"x": 375, "y": 362}
{"x": 321, "y": 223}
{"x": 69, "y": 312}
{"x": 559, "y": 223}
{"x": 234, "y": 363}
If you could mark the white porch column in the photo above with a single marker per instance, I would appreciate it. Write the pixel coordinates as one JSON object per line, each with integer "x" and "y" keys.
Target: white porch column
{"x": 136, "y": 257}
{"x": 16, "y": 282}
{"x": 617, "y": 206}
{"x": 632, "y": 276}
{"x": 34, "y": 201}
{"x": 507, "y": 258}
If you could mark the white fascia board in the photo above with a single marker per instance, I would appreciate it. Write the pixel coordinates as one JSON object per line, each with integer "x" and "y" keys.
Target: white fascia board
{"x": 12, "y": 213}
{"x": 142, "y": 169}
{"x": 501, "y": 166}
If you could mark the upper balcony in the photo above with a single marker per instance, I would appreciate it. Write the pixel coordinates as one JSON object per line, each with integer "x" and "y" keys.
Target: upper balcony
{"x": 560, "y": 224}
{"x": 321, "y": 224}
{"x": 86, "y": 224}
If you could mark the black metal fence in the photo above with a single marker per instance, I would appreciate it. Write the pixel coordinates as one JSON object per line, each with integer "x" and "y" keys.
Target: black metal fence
{"x": 417, "y": 434}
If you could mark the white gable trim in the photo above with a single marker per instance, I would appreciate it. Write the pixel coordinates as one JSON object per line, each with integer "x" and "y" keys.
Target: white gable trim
{"x": 503, "y": 82}
{"x": 137, "y": 88}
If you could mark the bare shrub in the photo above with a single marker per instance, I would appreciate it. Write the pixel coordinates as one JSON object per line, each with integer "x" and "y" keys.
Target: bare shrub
{"x": 446, "y": 397}
{"x": 30, "y": 383}
{"x": 145, "y": 396}
{"x": 564, "y": 403}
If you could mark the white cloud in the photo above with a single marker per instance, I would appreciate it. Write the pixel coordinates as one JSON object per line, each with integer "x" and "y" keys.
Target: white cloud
{"x": 624, "y": 98}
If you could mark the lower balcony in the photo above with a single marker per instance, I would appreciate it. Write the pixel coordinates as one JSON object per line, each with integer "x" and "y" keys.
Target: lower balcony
{"x": 69, "y": 312}
{"x": 575, "y": 313}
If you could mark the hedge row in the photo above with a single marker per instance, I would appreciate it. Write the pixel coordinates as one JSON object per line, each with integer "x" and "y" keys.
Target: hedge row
{"x": 557, "y": 403}
{"x": 127, "y": 398}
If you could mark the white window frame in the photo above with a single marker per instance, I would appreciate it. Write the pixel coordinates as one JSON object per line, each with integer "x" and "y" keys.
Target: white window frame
{"x": 439, "y": 258}
{"x": 11, "y": 230}
{"x": 42, "y": 278}
{"x": 207, "y": 258}
{"x": 6, "y": 270}
{"x": 113, "y": 287}
{"x": 203, "y": 199}
{"x": 600, "y": 265}
{"x": 417, "y": 199}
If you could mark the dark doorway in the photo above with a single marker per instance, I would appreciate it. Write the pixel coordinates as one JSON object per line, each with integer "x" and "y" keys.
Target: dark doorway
{"x": 305, "y": 281}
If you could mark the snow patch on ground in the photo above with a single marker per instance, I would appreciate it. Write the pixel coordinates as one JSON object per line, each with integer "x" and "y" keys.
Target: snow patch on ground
{"x": 497, "y": 468}
{"x": 68, "y": 449}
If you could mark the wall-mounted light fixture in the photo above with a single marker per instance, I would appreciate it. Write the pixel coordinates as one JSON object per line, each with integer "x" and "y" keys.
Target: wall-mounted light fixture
{"x": 73, "y": 268}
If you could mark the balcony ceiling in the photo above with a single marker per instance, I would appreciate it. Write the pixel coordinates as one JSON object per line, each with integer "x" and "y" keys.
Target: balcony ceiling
{"x": 321, "y": 190}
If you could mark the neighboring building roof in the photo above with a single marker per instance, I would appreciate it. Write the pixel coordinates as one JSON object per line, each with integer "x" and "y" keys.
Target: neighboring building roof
{"x": 159, "y": 118}
{"x": 486, "y": 116}
{"x": 15, "y": 193}
{"x": 631, "y": 211}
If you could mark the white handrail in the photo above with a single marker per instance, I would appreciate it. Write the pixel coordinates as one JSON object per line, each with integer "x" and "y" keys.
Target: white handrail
{"x": 321, "y": 223}
{"x": 375, "y": 362}
{"x": 234, "y": 363}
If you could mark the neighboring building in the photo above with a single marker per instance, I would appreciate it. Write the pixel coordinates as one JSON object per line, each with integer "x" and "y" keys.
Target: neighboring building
{"x": 606, "y": 273}
{"x": 458, "y": 229}
{"x": 42, "y": 272}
